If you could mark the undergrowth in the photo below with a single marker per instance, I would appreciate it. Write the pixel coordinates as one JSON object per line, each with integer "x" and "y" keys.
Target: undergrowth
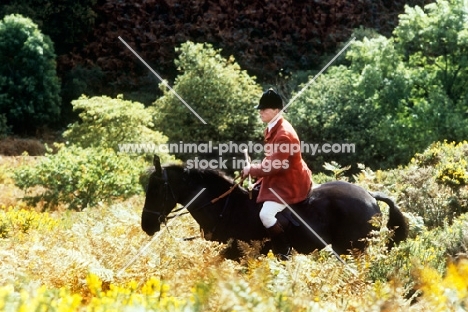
{"x": 85, "y": 261}
{"x": 99, "y": 259}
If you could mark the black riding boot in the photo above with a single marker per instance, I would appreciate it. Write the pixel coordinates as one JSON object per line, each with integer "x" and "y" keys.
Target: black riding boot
{"x": 281, "y": 246}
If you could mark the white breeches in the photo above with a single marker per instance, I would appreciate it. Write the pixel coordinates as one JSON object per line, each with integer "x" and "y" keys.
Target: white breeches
{"x": 268, "y": 212}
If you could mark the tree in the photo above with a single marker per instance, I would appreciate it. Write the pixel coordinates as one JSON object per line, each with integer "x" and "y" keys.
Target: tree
{"x": 29, "y": 86}
{"x": 222, "y": 94}
{"x": 357, "y": 104}
{"x": 49, "y": 15}
{"x": 434, "y": 43}
{"x": 396, "y": 95}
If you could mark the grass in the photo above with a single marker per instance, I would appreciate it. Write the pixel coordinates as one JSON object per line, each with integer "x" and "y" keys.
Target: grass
{"x": 93, "y": 261}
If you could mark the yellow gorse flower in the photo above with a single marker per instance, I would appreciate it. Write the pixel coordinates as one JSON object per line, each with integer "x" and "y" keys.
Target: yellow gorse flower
{"x": 449, "y": 291}
{"x": 22, "y": 220}
{"x": 152, "y": 286}
{"x": 94, "y": 284}
{"x": 457, "y": 279}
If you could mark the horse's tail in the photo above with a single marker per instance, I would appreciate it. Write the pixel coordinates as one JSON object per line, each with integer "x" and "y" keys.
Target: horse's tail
{"x": 396, "y": 220}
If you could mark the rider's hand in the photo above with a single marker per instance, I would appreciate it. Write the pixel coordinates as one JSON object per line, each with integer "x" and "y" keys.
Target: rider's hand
{"x": 246, "y": 171}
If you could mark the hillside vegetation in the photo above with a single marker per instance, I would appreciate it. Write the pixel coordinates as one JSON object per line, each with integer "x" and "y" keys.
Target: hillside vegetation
{"x": 269, "y": 39}
{"x": 99, "y": 258}
{"x": 70, "y": 235}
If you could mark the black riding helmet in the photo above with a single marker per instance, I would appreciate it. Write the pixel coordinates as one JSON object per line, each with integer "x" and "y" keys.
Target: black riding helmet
{"x": 270, "y": 99}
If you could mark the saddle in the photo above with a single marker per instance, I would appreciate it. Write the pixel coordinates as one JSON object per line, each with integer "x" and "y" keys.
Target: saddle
{"x": 286, "y": 218}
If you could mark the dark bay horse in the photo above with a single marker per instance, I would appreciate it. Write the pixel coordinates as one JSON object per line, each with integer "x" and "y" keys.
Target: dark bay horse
{"x": 339, "y": 212}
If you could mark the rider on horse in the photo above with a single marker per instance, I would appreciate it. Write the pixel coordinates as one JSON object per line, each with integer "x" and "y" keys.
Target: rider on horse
{"x": 282, "y": 170}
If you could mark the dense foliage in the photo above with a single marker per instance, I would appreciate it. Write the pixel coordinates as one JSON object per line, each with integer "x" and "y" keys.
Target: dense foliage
{"x": 66, "y": 32}
{"x": 265, "y": 37}
{"x": 218, "y": 91}
{"x": 29, "y": 86}
{"x": 396, "y": 95}
{"x": 391, "y": 96}
{"x": 66, "y": 261}
{"x": 112, "y": 123}
{"x": 433, "y": 185}
{"x": 80, "y": 177}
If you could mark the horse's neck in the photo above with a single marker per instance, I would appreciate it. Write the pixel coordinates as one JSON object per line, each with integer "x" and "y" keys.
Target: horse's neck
{"x": 219, "y": 213}
{"x": 214, "y": 184}
{"x": 204, "y": 188}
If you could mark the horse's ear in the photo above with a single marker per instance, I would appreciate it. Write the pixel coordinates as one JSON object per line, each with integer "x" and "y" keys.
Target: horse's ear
{"x": 157, "y": 165}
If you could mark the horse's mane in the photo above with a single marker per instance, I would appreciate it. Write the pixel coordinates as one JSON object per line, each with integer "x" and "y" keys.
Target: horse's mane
{"x": 202, "y": 174}
{"x": 211, "y": 174}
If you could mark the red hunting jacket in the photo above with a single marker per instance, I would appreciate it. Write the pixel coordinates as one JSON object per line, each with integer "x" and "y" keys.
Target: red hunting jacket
{"x": 283, "y": 168}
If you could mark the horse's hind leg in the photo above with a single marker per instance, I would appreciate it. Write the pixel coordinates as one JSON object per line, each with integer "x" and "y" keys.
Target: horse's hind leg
{"x": 306, "y": 239}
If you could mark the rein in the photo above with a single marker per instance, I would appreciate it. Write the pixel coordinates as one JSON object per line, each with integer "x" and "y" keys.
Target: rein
{"x": 214, "y": 200}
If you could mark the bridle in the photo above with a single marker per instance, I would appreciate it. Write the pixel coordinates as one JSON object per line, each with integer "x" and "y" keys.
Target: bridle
{"x": 164, "y": 217}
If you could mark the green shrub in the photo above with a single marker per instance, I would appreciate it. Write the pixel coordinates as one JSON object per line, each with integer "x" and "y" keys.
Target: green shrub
{"x": 29, "y": 86}
{"x": 222, "y": 94}
{"x": 431, "y": 248}
{"x": 393, "y": 96}
{"x": 67, "y": 22}
{"x": 80, "y": 177}
{"x": 114, "y": 123}
{"x": 437, "y": 191}
{"x": 432, "y": 186}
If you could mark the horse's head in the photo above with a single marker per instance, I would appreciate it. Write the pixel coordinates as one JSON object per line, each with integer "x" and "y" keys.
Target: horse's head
{"x": 160, "y": 199}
